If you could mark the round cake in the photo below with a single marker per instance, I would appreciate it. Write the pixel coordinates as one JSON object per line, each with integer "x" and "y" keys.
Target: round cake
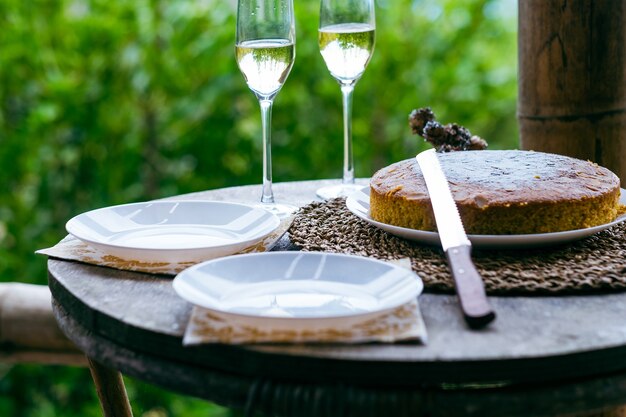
{"x": 501, "y": 192}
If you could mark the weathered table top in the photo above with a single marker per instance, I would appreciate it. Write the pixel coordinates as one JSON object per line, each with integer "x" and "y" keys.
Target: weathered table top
{"x": 575, "y": 346}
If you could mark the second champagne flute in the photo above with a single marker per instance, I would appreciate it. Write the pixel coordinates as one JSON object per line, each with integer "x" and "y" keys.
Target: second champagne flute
{"x": 346, "y": 39}
{"x": 265, "y": 51}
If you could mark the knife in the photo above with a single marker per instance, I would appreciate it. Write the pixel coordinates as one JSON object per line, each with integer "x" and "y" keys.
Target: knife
{"x": 469, "y": 285}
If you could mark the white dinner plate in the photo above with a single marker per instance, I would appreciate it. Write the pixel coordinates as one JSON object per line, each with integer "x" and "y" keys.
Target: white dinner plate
{"x": 297, "y": 290}
{"x": 173, "y": 231}
{"x": 359, "y": 204}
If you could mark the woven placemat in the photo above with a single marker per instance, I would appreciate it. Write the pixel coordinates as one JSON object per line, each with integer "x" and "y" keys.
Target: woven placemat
{"x": 592, "y": 265}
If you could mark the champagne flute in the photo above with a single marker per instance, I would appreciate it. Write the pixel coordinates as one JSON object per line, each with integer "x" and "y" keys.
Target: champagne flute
{"x": 346, "y": 39}
{"x": 265, "y": 51}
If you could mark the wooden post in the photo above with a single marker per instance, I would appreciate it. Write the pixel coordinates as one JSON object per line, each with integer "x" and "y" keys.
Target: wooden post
{"x": 28, "y": 330}
{"x": 572, "y": 79}
{"x": 29, "y": 333}
{"x": 111, "y": 390}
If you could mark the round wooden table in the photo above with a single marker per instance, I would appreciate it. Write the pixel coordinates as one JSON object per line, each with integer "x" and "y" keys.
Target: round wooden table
{"x": 542, "y": 356}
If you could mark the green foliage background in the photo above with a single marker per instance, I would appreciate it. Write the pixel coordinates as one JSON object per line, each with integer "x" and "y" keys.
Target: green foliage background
{"x": 109, "y": 101}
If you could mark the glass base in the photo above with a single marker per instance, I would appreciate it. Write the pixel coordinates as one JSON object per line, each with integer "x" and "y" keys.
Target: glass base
{"x": 339, "y": 190}
{"x": 282, "y": 210}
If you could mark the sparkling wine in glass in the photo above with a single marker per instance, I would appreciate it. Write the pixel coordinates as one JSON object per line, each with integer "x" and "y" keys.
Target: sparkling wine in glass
{"x": 265, "y": 51}
{"x": 346, "y": 40}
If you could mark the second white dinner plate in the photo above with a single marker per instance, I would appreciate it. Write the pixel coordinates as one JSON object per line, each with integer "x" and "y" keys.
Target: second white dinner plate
{"x": 359, "y": 204}
{"x": 297, "y": 290}
{"x": 173, "y": 231}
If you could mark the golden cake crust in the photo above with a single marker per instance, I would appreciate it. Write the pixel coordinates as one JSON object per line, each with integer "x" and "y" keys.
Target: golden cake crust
{"x": 501, "y": 192}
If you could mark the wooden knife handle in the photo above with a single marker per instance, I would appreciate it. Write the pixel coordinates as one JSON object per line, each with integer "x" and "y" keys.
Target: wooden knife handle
{"x": 469, "y": 287}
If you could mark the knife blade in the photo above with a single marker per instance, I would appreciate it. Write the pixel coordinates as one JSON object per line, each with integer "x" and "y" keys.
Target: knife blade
{"x": 468, "y": 282}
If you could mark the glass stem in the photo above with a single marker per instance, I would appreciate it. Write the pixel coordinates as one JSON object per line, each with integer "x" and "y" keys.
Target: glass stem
{"x": 266, "y": 122}
{"x": 348, "y": 164}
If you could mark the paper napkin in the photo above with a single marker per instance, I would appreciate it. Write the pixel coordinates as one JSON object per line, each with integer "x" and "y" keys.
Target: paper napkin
{"x": 402, "y": 324}
{"x": 405, "y": 323}
{"x": 73, "y": 249}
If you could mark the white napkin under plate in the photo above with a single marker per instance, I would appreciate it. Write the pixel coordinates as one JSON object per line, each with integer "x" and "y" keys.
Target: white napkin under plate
{"x": 403, "y": 324}
{"x": 72, "y": 249}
